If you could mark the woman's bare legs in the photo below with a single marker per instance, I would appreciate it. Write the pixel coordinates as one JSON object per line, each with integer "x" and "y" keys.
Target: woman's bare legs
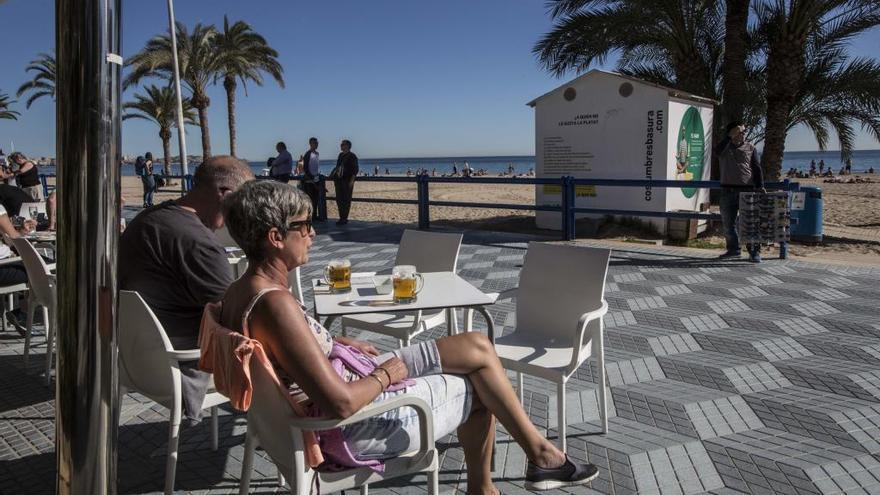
{"x": 472, "y": 354}
{"x": 477, "y": 437}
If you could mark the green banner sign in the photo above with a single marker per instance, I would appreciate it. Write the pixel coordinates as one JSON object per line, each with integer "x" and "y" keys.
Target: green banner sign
{"x": 690, "y": 146}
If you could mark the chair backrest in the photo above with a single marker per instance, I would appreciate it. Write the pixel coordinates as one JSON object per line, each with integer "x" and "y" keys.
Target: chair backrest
{"x": 295, "y": 284}
{"x": 37, "y": 271}
{"x": 429, "y": 251}
{"x": 143, "y": 347}
{"x": 558, "y": 284}
{"x": 269, "y": 418}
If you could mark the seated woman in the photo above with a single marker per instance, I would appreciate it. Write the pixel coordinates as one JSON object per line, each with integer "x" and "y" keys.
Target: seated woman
{"x": 460, "y": 376}
{"x": 13, "y": 273}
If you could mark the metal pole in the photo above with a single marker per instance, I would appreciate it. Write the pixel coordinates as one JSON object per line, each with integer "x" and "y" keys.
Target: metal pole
{"x": 88, "y": 148}
{"x": 181, "y": 132}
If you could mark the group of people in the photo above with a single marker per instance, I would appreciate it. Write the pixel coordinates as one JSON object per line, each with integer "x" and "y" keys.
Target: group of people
{"x": 27, "y": 189}
{"x": 282, "y": 168}
{"x": 170, "y": 255}
{"x": 822, "y": 170}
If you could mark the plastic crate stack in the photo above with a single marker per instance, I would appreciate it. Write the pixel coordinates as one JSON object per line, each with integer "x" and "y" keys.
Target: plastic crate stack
{"x": 764, "y": 218}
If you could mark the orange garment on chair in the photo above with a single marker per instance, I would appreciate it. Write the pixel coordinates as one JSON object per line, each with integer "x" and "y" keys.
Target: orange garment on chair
{"x": 228, "y": 355}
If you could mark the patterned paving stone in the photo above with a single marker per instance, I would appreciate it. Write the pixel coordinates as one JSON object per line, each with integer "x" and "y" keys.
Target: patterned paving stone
{"x": 843, "y": 346}
{"x": 766, "y": 460}
{"x": 766, "y": 321}
{"x": 726, "y": 372}
{"x": 833, "y": 375}
{"x": 690, "y": 410}
{"x": 751, "y": 344}
{"x": 844, "y": 421}
{"x": 643, "y": 339}
{"x": 634, "y": 458}
{"x": 858, "y": 324}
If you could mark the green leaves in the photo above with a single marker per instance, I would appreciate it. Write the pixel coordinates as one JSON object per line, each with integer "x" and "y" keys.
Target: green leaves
{"x": 43, "y": 82}
{"x": 5, "y": 112}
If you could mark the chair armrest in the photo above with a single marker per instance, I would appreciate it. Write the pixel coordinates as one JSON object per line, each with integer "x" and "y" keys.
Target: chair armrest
{"x": 580, "y": 333}
{"x": 426, "y": 418}
{"x": 51, "y": 267}
{"x": 186, "y": 355}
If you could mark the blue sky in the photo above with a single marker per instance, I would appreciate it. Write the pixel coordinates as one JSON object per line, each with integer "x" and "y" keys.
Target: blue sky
{"x": 398, "y": 78}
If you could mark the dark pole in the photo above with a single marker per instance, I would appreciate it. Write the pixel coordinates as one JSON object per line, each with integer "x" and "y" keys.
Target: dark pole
{"x": 88, "y": 149}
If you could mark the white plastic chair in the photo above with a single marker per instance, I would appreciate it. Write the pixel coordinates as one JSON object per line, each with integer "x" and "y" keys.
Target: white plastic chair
{"x": 149, "y": 365}
{"x": 429, "y": 252}
{"x": 559, "y": 308}
{"x": 41, "y": 293}
{"x": 273, "y": 425}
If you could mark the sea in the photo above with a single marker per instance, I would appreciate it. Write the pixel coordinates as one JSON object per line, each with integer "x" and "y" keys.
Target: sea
{"x": 799, "y": 160}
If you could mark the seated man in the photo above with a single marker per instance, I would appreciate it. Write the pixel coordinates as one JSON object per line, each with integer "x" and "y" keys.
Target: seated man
{"x": 13, "y": 273}
{"x": 170, "y": 255}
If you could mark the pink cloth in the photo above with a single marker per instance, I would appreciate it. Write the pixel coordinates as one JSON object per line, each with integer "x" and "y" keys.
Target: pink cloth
{"x": 228, "y": 355}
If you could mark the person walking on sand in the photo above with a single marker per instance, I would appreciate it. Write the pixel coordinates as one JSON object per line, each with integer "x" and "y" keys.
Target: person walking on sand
{"x": 282, "y": 166}
{"x": 311, "y": 171}
{"x": 821, "y": 166}
{"x": 740, "y": 172}
{"x": 343, "y": 180}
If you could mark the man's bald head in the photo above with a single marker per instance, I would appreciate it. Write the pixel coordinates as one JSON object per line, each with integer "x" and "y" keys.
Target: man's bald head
{"x": 213, "y": 180}
{"x": 222, "y": 174}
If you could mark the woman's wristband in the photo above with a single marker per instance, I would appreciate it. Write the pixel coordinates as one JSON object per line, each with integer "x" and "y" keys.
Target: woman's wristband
{"x": 387, "y": 374}
{"x": 381, "y": 385}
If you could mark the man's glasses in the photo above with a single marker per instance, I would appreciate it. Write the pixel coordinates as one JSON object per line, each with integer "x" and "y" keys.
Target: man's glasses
{"x": 304, "y": 227}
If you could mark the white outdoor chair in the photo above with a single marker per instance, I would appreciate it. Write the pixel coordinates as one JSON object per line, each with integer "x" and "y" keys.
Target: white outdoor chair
{"x": 273, "y": 425}
{"x": 149, "y": 365}
{"x": 41, "y": 293}
{"x": 429, "y": 252}
{"x": 559, "y": 307}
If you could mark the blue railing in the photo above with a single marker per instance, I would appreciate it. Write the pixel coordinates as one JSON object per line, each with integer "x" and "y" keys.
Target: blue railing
{"x": 567, "y": 206}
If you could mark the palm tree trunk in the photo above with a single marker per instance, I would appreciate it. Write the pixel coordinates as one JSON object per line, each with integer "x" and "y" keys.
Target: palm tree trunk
{"x": 785, "y": 68}
{"x": 230, "y": 85}
{"x": 735, "y": 52}
{"x": 165, "y": 134}
{"x": 206, "y": 135}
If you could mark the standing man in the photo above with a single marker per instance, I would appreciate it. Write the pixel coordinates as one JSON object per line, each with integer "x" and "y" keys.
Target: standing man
{"x": 347, "y": 167}
{"x": 171, "y": 257}
{"x": 311, "y": 171}
{"x": 740, "y": 171}
{"x": 282, "y": 166}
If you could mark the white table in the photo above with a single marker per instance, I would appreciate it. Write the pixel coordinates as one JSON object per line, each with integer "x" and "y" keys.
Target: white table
{"x": 442, "y": 290}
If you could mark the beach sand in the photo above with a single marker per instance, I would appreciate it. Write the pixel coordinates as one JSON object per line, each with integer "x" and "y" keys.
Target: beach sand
{"x": 853, "y": 206}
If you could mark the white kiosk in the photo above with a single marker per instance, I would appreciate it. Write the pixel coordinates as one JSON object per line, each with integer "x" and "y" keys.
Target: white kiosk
{"x": 605, "y": 125}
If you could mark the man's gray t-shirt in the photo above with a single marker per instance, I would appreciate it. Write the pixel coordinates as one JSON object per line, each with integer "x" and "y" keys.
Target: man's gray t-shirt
{"x": 177, "y": 265}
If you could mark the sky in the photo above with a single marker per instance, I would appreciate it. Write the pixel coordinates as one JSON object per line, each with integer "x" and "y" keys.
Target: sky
{"x": 398, "y": 78}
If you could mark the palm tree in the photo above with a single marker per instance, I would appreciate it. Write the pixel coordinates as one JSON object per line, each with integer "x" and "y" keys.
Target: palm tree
{"x": 199, "y": 64}
{"x": 5, "y": 112}
{"x": 669, "y": 39}
{"x": 791, "y": 32}
{"x": 43, "y": 82}
{"x": 244, "y": 56}
{"x": 736, "y": 53}
{"x": 159, "y": 105}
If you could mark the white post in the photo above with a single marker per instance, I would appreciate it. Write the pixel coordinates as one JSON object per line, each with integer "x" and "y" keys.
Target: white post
{"x": 181, "y": 132}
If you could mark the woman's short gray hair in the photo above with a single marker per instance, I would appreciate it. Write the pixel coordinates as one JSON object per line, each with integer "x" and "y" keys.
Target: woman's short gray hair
{"x": 258, "y": 206}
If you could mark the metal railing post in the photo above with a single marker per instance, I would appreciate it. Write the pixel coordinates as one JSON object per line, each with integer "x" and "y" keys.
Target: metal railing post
{"x": 322, "y": 197}
{"x": 45, "y": 185}
{"x": 569, "y": 227}
{"x": 423, "y": 197}
{"x": 783, "y": 246}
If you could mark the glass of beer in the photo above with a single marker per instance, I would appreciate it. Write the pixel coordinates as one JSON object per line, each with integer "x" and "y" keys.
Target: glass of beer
{"x": 407, "y": 283}
{"x": 337, "y": 275}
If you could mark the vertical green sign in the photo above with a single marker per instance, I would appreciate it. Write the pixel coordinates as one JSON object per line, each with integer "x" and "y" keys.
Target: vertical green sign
{"x": 690, "y": 146}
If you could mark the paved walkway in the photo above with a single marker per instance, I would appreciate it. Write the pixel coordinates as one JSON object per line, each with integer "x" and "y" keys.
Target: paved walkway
{"x": 725, "y": 378}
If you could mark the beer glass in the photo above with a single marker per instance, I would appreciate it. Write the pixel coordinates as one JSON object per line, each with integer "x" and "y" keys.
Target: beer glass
{"x": 407, "y": 283}
{"x": 337, "y": 274}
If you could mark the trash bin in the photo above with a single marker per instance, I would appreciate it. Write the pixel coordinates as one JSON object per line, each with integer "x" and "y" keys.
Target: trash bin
{"x": 806, "y": 215}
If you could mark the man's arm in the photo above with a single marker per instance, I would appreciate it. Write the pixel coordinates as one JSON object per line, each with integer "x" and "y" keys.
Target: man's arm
{"x": 757, "y": 173}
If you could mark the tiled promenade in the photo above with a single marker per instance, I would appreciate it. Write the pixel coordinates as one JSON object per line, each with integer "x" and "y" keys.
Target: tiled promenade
{"x": 726, "y": 377}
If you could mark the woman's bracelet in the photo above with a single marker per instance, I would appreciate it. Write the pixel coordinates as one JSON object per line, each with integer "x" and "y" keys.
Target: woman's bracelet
{"x": 387, "y": 374}
{"x": 381, "y": 385}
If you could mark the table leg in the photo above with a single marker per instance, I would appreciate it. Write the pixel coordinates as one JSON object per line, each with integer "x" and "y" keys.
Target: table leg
{"x": 327, "y": 322}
